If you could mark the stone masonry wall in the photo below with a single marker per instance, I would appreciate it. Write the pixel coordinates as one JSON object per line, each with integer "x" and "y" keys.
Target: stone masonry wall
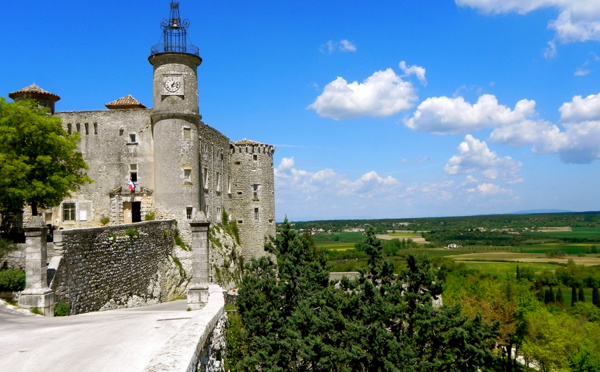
{"x": 118, "y": 266}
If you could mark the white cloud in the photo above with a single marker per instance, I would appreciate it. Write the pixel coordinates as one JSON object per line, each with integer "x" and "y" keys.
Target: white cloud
{"x": 444, "y": 115}
{"x": 580, "y": 109}
{"x": 577, "y": 21}
{"x": 418, "y": 71}
{"x": 382, "y": 94}
{"x": 489, "y": 189}
{"x": 346, "y": 46}
{"x": 476, "y": 158}
{"x": 331, "y": 47}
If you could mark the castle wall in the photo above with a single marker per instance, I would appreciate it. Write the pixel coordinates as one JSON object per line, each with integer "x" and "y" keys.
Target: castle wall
{"x": 117, "y": 266}
{"x": 115, "y": 144}
{"x": 215, "y": 172}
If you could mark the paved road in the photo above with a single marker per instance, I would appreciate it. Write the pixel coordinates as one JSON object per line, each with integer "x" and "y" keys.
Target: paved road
{"x": 116, "y": 340}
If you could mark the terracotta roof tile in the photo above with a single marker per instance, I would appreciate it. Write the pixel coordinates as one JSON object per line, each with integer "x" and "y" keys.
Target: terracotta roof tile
{"x": 34, "y": 91}
{"x": 126, "y": 102}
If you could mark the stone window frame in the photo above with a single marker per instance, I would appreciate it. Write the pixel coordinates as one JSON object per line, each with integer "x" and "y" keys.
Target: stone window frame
{"x": 255, "y": 191}
{"x": 256, "y": 213}
{"x": 189, "y": 212}
{"x": 133, "y": 140}
{"x": 187, "y": 176}
{"x": 95, "y": 128}
{"x": 87, "y": 128}
{"x": 187, "y": 133}
{"x": 134, "y": 172}
{"x": 78, "y": 127}
{"x": 205, "y": 178}
{"x": 69, "y": 211}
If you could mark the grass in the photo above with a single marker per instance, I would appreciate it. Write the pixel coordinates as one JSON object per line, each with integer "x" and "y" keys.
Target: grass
{"x": 576, "y": 233}
{"x": 503, "y": 269}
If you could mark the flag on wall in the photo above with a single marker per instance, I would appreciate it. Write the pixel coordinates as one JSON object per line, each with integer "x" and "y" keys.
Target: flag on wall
{"x": 131, "y": 186}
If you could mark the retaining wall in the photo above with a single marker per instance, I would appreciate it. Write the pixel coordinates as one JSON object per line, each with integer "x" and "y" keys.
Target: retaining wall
{"x": 117, "y": 266}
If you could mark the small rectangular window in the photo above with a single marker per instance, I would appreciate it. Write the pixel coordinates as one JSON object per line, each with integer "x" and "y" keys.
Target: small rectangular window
{"x": 255, "y": 157}
{"x": 68, "y": 213}
{"x": 121, "y": 131}
{"x": 69, "y": 128}
{"x": 78, "y": 127}
{"x": 187, "y": 175}
{"x": 132, "y": 138}
{"x": 255, "y": 192}
{"x": 87, "y": 128}
{"x": 133, "y": 171}
{"x": 256, "y": 213}
{"x": 218, "y": 182}
{"x": 95, "y": 128}
{"x": 205, "y": 175}
{"x": 188, "y": 212}
{"x": 187, "y": 133}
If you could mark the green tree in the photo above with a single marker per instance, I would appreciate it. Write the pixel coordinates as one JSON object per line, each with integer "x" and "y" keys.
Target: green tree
{"x": 295, "y": 319}
{"x": 595, "y": 296}
{"x": 573, "y": 295}
{"x": 581, "y": 295}
{"x": 559, "y": 296}
{"x": 39, "y": 162}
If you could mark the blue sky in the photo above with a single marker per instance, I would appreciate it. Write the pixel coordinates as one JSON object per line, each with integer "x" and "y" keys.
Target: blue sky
{"x": 378, "y": 109}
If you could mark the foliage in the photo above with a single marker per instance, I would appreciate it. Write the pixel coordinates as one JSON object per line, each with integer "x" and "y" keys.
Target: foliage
{"x": 36, "y": 310}
{"x": 39, "y": 162}
{"x": 104, "y": 221}
{"x": 132, "y": 233}
{"x": 150, "y": 216}
{"x": 297, "y": 320}
{"x": 62, "y": 309}
{"x": 179, "y": 241}
{"x": 6, "y": 246}
{"x": 12, "y": 280}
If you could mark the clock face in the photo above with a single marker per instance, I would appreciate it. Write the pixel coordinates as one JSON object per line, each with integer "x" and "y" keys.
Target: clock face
{"x": 172, "y": 85}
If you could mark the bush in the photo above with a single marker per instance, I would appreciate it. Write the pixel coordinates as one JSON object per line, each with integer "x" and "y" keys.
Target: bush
{"x": 150, "y": 216}
{"x": 104, "y": 221}
{"x": 62, "y": 309}
{"x": 132, "y": 233}
{"x": 12, "y": 280}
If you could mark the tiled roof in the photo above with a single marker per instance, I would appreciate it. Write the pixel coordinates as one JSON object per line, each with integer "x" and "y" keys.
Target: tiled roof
{"x": 247, "y": 142}
{"x": 34, "y": 91}
{"x": 126, "y": 102}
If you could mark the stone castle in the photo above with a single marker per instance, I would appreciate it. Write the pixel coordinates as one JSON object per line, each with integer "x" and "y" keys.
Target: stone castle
{"x": 164, "y": 162}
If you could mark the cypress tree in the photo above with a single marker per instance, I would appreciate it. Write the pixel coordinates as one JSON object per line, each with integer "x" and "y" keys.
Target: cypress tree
{"x": 559, "y": 296}
{"x": 547, "y": 296}
{"x": 581, "y": 295}
{"x": 551, "y": 295}
{"x": 573, "y": 295}
{"x": 595, "y": 296}
{"x": 518, "y": 274}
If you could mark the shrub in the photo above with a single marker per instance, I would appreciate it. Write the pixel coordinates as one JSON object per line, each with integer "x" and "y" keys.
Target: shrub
{"x": 179, "y": 241}
{"x": 104, "y": 221}
{"x": 132, "y": 232}
{"x": 150, "y": 216}
{"x": 62, "y": 309}
{"x": 36, "y": 310}
{"x": 12, "y": 280}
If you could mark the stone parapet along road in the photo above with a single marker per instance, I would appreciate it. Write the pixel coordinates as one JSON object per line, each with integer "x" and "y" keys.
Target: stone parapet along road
{"x": 115, "y": 340}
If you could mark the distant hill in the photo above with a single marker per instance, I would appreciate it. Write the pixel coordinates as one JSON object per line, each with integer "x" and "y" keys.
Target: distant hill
{"x": 539, "y": 211}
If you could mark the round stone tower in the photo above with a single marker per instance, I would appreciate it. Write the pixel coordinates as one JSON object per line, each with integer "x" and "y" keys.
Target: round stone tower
{"x": 175, "y": 121}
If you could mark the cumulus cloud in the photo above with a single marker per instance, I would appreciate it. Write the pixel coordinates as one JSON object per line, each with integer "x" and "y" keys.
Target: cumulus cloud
{"x": 580, "y": 109}
{"x": 475, "y": 157}
{"x": 445, "y": 115}
{"x": 331, "y": 46}
{"x": 382, "y": 94}
{"x": 577, "y": 21}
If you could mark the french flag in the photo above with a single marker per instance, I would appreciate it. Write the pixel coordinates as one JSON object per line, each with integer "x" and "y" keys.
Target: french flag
{"x": 131, "y": 185}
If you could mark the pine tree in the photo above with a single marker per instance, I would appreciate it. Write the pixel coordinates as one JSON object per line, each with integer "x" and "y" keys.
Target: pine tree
{"x": 559, "y": 296}
{"x": 581, "y": 297}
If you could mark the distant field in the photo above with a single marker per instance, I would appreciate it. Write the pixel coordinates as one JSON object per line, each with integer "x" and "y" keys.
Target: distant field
{"x": 415, "y": 237}
{"x": 575, "y": 233}
{"x": 502, "y": 269}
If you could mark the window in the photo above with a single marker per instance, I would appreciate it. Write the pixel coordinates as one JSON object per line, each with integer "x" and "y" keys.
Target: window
{"x": 255, "y": 192}
{"x": 188, "y": 212}
{"x": 95, "y": 128}
{"x": 255, "y": 157}
{"x": 218, "y": 182}
{"x": 68, "y": 213}
{"x": 132, "y": 138}
{"x": 256, "y": 213}
{"x": 133, "y": 172}
{"x": 187, "y": 133}
{"x": 78, "y": 127}
{"x": 187, "y": 175}
{"x": 87, "y": 128}
{"x": 205, "y": 175}
{"x": 69, "y": 128}
{"x": 121, "y": 132}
